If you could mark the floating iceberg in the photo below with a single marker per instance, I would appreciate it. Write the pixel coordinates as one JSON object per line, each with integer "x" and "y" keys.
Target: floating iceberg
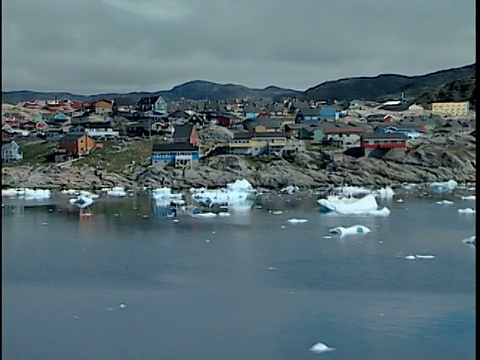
{"x": 352, "y": 190}
{"x": 297, "y": 221}
{"x": 28, "y": 194}
{"x": 165, "y": 193}
{"x": 352, "y": 230}
{"x": 445, "y": 202}
{"x": 290, "y": 189}
{"x": 235, "y": 193}
{"x": 470, "y": 240}
{"x": 349, "y": 206}
{"x": 116, "y": 191}
{"x": 441, "y": 187}
{"x": 320, "y": 348}
{"x": 415, "y": 257}
{"x": 81, "y": 201}
{"x": 204, "y": 215}
{"x": 466, "y": 211}
{"x": 469, "y": 197}
{"x": 70, "y": 192}
{"x": 385, "y": 193}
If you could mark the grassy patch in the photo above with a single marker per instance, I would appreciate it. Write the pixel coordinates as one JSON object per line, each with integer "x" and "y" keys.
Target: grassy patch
{"x": 116, "y": 156}
{"x": 36, "y": 153}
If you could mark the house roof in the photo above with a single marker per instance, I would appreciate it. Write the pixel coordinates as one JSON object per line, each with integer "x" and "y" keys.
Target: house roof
{"x": 71, "y": 137}
{"x": 249, "y": 135}
{"x": 183, "y": 131}
{"x": 384, "y": 136}
{"x": 343, "y": 130}
{"x": 174, "y": 147}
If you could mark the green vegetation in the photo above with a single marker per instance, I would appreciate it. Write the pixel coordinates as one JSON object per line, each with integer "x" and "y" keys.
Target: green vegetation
{"x": 117, "y": 156}
{"x": 36, "y": 153}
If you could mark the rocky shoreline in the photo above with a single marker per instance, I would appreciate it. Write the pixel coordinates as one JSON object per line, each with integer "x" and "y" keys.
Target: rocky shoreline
{"x": 439, "y": 159}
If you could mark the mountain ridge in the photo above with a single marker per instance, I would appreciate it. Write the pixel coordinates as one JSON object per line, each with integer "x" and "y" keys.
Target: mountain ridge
{"x": 380, "y": 87}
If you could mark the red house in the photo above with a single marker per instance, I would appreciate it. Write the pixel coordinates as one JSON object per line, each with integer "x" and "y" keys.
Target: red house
{"x": 263, "y": 114}
{"x": 186, "y": 133}
{"x": 378, "y": 144}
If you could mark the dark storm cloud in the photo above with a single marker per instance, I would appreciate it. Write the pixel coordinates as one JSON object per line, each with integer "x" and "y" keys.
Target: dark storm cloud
{"x": 126, "y": 45}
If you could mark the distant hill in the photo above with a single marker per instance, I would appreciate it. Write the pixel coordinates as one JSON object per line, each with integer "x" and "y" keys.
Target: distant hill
{"x": 192, "y": 90}
{"x": 387, "y": 86}
{"x": 458, "y": 90}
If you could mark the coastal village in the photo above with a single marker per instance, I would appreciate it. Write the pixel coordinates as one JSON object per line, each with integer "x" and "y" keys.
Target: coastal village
{"x": 182, "y": 133}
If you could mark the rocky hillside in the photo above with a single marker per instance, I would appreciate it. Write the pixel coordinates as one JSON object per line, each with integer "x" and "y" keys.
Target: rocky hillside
{"x": 439, "y": 159}
{"x": 458, "y": 90}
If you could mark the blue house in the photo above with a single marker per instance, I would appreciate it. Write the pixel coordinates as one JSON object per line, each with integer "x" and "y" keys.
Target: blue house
{"x": 180, "y": 155}
{"x": 328, "y": 113}
{"x": 61, "y": 118}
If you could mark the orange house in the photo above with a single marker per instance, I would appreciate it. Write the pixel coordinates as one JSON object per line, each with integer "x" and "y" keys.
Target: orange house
{"x": 76, "y": 145}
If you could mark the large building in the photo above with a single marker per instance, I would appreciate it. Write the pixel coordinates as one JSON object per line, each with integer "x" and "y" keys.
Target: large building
{"x": 451, "y": 108}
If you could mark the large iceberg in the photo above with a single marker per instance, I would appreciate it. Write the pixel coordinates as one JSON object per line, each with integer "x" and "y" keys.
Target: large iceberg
{"x": 235, "y": 193}
{"x": 441, "y": 187}
{"x": 367, "y": 205}
{"x": 28, "y": 194}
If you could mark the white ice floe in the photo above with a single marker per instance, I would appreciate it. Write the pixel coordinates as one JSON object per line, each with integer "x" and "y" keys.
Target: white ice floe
{"x": 446, "y": 186}
{"x": 238, "y": 192}
{"x": 400, "y": 201}
{"x": 116, "y": 191}
{"x": 466, "y": 211}
{"x": 70, "y": 192}
{"x": 351, "y": 230}
{"x": 205, "y": 215}
{"x": 165, "y": 193}
{"x": 28, "y": 194}
{"x": 415, "y": 257}
{"x": 445, "y": 202}
{"x": 352, "y": 190}
{"x": 277, "y": 212}
{"x": 290, "y": 189}
{"x": 320, "y": 348}
{"x": 385, "y": 193}
{"x": 223, "y": 214}
{"x": 350, "y": 206}
{"x": 470, "y": 240}
{"x": 469, "y": 197}
{"x": 297, "y": 221}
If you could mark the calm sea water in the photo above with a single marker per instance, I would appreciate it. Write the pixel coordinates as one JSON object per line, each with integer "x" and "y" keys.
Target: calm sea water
{"x": 118, "y": 285}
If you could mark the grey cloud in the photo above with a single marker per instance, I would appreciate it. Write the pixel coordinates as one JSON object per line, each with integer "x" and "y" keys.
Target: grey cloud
{"x": 93, "y": 46}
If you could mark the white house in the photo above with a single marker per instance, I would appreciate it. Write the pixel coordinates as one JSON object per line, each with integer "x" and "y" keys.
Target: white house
{"x": 11, "y": 153}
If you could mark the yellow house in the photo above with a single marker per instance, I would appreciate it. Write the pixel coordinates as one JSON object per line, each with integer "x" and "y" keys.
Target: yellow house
{"x": 451, "y": 108}
{"x": 248, "y": 143}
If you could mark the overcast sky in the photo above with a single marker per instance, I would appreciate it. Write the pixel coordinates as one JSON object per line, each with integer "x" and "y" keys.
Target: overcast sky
{"x": 97, "y": 46}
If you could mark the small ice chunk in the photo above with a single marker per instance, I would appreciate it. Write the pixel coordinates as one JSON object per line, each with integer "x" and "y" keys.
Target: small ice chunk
{"x": 277, "y": 212}
{"x": 224, "y": 214}
{"x": 425, "y": 256}
{"x": 466, "y": 211}
{"x": 122, "y": 306}
{"x": 410, "y": 257}
{"x": 352, "y": 230}
{"x": 320, "y": 348}
{"x": 400, "y": 201}
{"x": 297, "y": 221}
{"x": 470, "y": 240}
{"x": 445, "y": 202}
{"x": 469, "y": 197}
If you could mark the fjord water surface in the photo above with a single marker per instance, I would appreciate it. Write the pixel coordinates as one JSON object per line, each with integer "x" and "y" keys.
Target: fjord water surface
{"x": 128, "y": 283}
